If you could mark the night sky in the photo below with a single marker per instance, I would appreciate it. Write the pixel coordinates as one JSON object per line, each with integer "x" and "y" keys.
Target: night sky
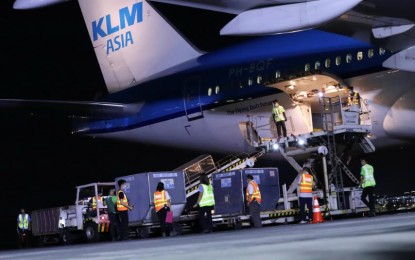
{"x": 46, "y": 54}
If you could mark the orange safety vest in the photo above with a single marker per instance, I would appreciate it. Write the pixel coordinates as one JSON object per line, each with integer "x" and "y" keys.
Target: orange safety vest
{"x": 306, "y": 184}
{"x": 121, "y": 207}
{"x": 256, "y": 195}
{"x": 159, "y": 200}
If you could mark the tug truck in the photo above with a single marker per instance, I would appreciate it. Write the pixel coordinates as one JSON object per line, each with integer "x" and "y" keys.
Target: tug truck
{"x": 87, "y": 220}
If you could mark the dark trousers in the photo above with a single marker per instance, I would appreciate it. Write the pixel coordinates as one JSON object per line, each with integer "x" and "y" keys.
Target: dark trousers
{"x": 281, "y": 126}
{"x": 303, "y": 203}
{"x": 165, "y": 227}
{"x": 114, "y": 225}
{"x": 369, "y": 192}
{"x": 24, "y": 237}
{"x": 123, "y": 224}
{"x": 205, "y": 218}
{"x": 255, "y": 213}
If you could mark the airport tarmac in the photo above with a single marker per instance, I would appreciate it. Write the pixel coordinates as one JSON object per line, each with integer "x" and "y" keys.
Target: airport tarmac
{"x": 382, "y": 237}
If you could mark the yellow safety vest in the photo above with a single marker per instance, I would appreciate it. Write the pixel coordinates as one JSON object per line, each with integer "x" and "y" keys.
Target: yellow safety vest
{"x": 208, "y": 199}
{"x": 159, "y": 200}
{"x": 306, "y": 185}
{"x": 94, "y": 202}
{"x": 121, "y": 207}
{"x": 256, "y": 195}
{"x": 24, "y": 221}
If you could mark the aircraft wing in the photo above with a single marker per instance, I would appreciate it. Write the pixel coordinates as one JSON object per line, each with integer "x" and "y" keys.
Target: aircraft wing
{"x": 75, "y": 109}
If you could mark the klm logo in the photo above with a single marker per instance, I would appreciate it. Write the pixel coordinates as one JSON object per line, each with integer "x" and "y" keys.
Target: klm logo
{"x": 111, "y": 26}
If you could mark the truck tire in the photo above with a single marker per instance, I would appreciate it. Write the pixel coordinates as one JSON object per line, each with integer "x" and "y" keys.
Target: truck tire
{"x": 66, "y": 237}
{"x": 91, "y": 232}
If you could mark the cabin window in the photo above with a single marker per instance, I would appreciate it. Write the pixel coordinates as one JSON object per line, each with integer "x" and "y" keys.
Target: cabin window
{"x": 349, "y": 58}
{"x": 381, "y": 51}
{"x": 250, "y": 82}
{"x": 307, "y": 67}
{"x": 338, "y": 60}
{"x": 217, "y": 89}
{"x": 209, "y": 92}
{"x": 317, "y": 65}
{"x": 327, "y": 63}
{"x": 360, "y": 56}
{"x": 370, "y": 53}
{"x": 278, "y": 74}
{"x": 259, "y": 79}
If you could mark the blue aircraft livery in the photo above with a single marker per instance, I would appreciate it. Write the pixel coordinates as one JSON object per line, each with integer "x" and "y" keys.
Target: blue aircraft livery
{"x": 107, "y": 25}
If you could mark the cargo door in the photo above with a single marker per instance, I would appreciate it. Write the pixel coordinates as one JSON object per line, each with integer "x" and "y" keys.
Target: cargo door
{"x": 191, "y": 96}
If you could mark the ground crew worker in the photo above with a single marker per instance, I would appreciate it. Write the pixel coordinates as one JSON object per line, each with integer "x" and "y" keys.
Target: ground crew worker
{"x": 111, "y": 202}
{"x": 306, "y": 184}
{"x": 162, "y": 206}
{"x": 94, "y": 201}
{"x": 122, "y": 208}
{"x": 23, "y": 227}
{"x": 205, "y": 202}
{"x": 368, "y": 183}
{"x": 279, "y": 117}
{"x": 253, "y": 200}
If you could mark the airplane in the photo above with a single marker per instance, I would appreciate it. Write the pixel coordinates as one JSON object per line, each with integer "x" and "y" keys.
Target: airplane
{"x": 164, "y": 91}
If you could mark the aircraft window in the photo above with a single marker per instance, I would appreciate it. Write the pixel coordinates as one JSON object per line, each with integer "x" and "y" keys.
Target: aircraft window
{"x": 360, "y": 55}
{"x": 338, "y": 60}
{"x": 370, "y": 53}
{"x": 278, "y": 74}
{"x": 327, "y": 63}
{"x": 317, "y": 65}
{"x": 381, "y": 51}
{"x": 217, "y": 89}
{"x": 259, "y": 79}
{"x": 250, "y": 82}
{"x": 209, "y": 92}
{"x": 349, "y": 58}
{"x": 307, "y": 67}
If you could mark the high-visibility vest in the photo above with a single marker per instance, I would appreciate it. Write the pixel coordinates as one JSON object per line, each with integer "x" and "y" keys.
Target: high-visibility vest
{"x": 24, "y": 221}
{"x": 94, "y": 202}
{"x": 159, "y": 200}
{"x": 368, "y": 178}
{"x": 208, "y": 199}
{"x": 121, "y": 207}
{"x": 306, "y": 185}
{"x": 278, "y": 113}
{"x": 256, "y": 194}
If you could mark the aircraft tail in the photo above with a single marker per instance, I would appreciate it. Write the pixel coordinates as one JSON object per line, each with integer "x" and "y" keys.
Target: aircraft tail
{"x": 132, "y": 41}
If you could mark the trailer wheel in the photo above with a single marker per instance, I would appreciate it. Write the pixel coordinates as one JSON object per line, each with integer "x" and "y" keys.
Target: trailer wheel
{"x": 66, "y": 237}
{"x": 177, "y": 229}
{"x": 91, "y": 232}
{"x": 143, "y": 232}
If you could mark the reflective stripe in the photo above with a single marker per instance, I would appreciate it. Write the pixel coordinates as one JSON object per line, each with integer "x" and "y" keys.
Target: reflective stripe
{"x": 23, "y": 222}
{"x": 306, "y": 185}
{"x": 159, "y": 200}
{"x": 256, "y": 194}
{"x": 208, "y": 198}
{"x": 121, "y": 207}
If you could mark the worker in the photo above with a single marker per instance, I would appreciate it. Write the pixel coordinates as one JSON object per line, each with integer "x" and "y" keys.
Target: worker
{"x": 123, "y": 207}
{"x": 162, "y": 206}
{"x": 279, "y": 117}
{"x": 111, "y": 202}
{"x": 253, "y": 200}
{"x": 205, "y": 202}
{"x": 23, "y": 227}
{"x": 94, "y": 201}
{"x": 306, "y": 184}
{"x": 368, "y": 183}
